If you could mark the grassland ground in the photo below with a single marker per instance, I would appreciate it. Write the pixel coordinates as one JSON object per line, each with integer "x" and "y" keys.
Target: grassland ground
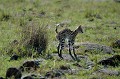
{"x": 100, "y": 20}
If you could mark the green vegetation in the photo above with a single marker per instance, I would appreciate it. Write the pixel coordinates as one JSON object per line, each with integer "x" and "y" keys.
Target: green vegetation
{"x": 99, "y": 19}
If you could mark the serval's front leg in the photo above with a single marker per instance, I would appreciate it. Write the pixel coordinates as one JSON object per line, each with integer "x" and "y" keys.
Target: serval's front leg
{"x": 73, "y": 48}
{"x": 74, "y": 53}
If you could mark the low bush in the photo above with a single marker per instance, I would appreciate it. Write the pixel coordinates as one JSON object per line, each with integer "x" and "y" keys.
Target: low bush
{"x": 34, "y": 41}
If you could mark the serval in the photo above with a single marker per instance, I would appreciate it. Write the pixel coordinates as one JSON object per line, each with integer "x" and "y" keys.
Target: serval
{"x": 66, "y": 35}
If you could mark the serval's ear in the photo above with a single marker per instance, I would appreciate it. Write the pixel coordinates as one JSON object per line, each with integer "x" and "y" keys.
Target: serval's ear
{"x": 79, "y": 26}
{"x": 80, "y": 29}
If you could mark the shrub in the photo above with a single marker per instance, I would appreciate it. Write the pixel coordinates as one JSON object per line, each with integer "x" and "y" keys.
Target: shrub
{"x": 36, "y": 37}
{"x": 34, "y": 40}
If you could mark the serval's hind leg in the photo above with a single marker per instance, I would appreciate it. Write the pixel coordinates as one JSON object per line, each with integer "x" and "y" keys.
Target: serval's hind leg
{"x": 73, "y": 49}
{"x": 75, "y": 53}
{"x": 70, "y": 48}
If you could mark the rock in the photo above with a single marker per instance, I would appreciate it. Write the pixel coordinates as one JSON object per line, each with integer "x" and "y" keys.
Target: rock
{"x": 14, "y": 57}
{"x": 41, "y": 77}
{"x": 112, "y": 61}
{"x": 107, "y": 72}
{"x": 32, "y": 76}
{"x": 54, "y": 73}
{"x": 60, "y": 72}
{"x": 117, "y": 1}
{"x": 29, "y": 64}
{"x": 13, "y": 72}
{"x": 36, "y": 76}
{"x": 67, "y": 57}
{"x": 116, "y": 44}
{"x": 28, "y": 77}
{"x": 96, "y": 47}
{"x": 1, "y": 78}
{"x": 64, "y": 67}
{"x": 68, "y": 70}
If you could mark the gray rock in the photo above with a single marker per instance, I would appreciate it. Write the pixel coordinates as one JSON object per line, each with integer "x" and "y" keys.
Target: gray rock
{"x": 107, "y": 72}
{"x": 60, "y": 73}
{"x": 28, "y": 65}
{"x": 112, "y": 61}
{"x": 1, "y": 78}
{"x": 67, "y": 57}
{"x": 56, "y": 73}
{"x": 116, "y": 44}
{"x": 96, "y": 47}
{"x": 32, "y": 76}
{"x": 28, "y": 77}
{"x": 117, "y": 0}
{"x": 67, "y": 69}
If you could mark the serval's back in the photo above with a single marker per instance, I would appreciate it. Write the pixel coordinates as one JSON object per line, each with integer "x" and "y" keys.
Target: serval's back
{"x": 70, "y": 36}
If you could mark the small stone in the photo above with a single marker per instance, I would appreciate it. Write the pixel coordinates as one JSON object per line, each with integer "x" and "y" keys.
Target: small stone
{"x": 1, "y": 78}
{"x": 28, "y": 77}
{"x": 112, "y": 61}
{"x": 107, "y": 72}
{"x": 14, "y": 57}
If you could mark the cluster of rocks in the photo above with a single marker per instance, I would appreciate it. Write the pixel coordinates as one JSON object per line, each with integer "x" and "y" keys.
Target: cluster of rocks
{"x": 16, "y": 73}
{"x": 62, "y": 70}
{"x": 92, "y": 47}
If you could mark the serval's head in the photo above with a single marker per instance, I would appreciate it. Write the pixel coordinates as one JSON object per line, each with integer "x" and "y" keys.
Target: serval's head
{"x": 79, "y": 29}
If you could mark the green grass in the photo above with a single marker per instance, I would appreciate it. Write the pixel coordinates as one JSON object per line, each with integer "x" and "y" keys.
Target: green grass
{"x": 15, "y": 15}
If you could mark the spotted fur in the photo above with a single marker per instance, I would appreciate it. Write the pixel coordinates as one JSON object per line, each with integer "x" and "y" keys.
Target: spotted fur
{"x": 70, "y": 36}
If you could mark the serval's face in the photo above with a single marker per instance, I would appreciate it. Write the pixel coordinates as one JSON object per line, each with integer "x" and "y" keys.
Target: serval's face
{"x": 79, "y": 29}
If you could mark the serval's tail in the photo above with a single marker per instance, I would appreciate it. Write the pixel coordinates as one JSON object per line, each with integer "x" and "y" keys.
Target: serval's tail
{"x": 56, "y": 30}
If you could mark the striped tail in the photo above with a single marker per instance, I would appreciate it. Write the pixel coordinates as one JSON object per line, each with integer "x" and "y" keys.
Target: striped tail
{"x": 57, "y": 28}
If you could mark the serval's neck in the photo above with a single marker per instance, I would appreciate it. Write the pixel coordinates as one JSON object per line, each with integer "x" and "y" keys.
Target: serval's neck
{"x": 74, "y": 34}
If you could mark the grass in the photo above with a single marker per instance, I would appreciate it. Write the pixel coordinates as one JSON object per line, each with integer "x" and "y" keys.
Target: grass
{"x": 98, "y": 19}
